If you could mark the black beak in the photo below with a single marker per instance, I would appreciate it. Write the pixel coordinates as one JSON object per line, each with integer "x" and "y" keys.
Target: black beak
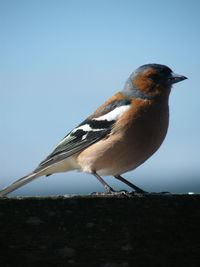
{"x": 175, "y": 78}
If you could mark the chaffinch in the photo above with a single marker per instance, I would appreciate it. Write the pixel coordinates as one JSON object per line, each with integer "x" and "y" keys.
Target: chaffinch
{"x": 120, "y": 135}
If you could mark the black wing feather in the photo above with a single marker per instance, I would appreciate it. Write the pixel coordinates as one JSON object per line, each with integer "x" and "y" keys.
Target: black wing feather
{"x": 79, "y": 139}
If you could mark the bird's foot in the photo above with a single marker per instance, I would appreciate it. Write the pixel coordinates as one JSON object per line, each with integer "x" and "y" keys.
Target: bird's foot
{"x": 164, "y": 193}
{"x": 144, "y": 193}
{"x": 110, "y": 192}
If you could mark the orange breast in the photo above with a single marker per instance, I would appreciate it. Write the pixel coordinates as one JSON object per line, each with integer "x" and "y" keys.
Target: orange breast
{"x": 136, "y": 136}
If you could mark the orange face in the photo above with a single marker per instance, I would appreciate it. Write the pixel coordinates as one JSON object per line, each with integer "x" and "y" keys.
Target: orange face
{"x": 152, "y": 82}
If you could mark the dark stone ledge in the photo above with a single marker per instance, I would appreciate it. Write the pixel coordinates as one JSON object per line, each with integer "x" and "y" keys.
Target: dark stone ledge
{"x": 100, "y": 231}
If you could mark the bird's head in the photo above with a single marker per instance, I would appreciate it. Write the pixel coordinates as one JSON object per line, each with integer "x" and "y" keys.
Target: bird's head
{"x": 151, "y": 80}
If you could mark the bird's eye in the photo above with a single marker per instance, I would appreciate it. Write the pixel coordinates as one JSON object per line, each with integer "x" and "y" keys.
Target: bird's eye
{"x": 154, "y": 76}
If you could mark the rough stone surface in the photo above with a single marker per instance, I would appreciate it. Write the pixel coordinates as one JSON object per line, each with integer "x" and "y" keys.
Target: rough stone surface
{"x": 100, "y": 231}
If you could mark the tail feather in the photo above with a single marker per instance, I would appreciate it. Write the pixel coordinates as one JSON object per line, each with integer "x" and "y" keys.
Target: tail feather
{"x": 61, "y": 166}
{"x": 22, "y": 181}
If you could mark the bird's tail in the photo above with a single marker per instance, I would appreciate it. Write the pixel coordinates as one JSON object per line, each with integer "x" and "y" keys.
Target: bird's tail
{"x": 22, "y": 181}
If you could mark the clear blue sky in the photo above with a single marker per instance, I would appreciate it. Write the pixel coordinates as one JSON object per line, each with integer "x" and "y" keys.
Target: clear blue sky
{"x": 59, "y": 60}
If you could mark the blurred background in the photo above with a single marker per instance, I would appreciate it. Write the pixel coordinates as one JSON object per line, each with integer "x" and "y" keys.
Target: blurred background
{"x": 60, "y": 59}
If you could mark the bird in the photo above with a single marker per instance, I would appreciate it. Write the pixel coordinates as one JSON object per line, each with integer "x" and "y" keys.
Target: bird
{"x": 119, "y": 136}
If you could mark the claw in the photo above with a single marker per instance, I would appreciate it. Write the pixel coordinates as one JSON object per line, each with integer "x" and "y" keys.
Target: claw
{"x": 142, "y": 194}
{"x": 110, "y": 192}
